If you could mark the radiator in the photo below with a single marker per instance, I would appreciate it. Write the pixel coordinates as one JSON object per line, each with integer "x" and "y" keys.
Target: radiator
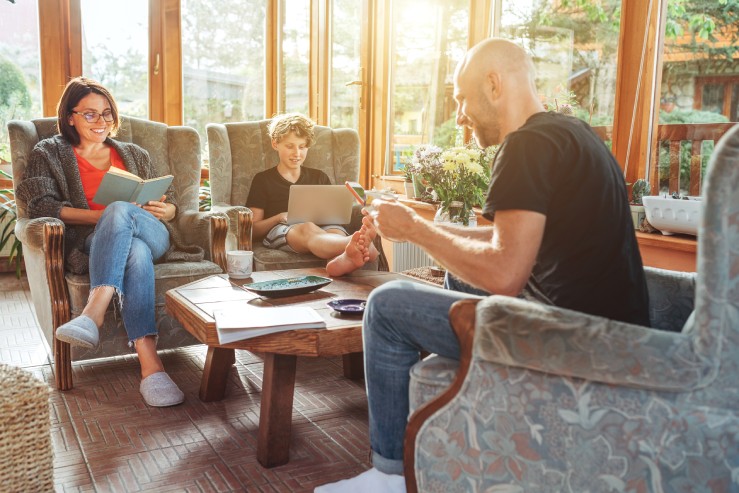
{"x": 409, "y": 256}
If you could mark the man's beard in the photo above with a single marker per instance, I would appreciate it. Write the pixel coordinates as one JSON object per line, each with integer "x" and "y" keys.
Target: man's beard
{"x": 491, "y": 135}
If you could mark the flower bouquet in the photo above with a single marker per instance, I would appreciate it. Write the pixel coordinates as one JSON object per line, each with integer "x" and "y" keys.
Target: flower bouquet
{"x": 459, "y": 176}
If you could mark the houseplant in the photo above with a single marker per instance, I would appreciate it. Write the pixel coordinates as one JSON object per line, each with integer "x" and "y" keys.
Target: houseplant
{"x": 459, "y": 175}
{"x": 204, "y": 198}
{"x": 8, "y": 218}
{"x": 410, "y": 190}
{"x": 638, "y": 190}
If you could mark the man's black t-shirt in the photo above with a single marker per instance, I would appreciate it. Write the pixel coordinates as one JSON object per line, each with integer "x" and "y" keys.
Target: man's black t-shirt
{"x": 270, "y": 191}
{"x": 589, "y": 260}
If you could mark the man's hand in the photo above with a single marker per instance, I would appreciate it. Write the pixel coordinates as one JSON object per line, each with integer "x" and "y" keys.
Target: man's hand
{"x": 393, "y": 220}
{"x": 160, "y": 209}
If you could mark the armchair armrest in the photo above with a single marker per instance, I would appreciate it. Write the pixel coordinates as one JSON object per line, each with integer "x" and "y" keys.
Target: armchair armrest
{"x": 240, "y": 223}
{"x": 671, "y": 297}
{"x": 207, "y": 230}
{"x": 30, "y": 232}
{"x": 515, "y": 332}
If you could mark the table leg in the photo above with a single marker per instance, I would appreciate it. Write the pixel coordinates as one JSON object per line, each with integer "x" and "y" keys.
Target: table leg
{"x": 218, "y": 363}
{"x": 276, "y": 413}
{"x": 354, "y": 365}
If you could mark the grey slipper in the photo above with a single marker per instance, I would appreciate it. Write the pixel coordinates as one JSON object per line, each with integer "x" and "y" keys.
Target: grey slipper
{"x": 159, "y": 390}
{"x": 80, "y": 331}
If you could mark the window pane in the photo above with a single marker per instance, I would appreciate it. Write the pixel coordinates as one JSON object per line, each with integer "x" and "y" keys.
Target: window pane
{"x": 118, "y": 58}
{"x": 222, "y": 62}
{"x": 423, "y": 63}
{"x": 20, "y": 67}
{"x": 345, "y": 63}
{"x": 574, "y": 46}
{"x": 700, "y": 74}
{"x": 295, "y": 55}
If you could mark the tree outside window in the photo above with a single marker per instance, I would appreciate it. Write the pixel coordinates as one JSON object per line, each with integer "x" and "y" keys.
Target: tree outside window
{"x": 20, "y": 72}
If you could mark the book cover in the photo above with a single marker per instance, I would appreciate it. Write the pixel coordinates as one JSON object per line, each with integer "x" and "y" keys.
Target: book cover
{"x": 236, "y": 325}
{"x": 118, "y": 184}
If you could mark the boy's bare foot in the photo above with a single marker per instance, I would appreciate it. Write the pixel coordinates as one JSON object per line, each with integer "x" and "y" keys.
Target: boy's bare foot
{"x": 370, "y": 233}
{"x": 355, "y": 255}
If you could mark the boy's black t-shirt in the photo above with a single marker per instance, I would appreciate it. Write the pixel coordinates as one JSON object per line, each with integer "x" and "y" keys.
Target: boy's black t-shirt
{"x": 270, "y": 191}
{"x": 589, "y": 259}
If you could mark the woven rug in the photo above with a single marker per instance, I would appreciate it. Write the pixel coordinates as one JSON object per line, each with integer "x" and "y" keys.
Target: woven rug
{"x": 429, "y": 274}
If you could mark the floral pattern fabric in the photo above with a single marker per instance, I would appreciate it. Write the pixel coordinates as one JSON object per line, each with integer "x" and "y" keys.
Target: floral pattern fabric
{"x": 565, "y": 402}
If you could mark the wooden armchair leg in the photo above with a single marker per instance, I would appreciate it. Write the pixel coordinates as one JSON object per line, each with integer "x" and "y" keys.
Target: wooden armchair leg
{"x": 62, "y": 365}
{"x": 60, "y": 309}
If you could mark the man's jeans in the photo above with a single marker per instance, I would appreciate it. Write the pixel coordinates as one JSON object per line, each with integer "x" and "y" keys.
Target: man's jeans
{"x": 401, "y": 319}
{"x": 123, "y": 247}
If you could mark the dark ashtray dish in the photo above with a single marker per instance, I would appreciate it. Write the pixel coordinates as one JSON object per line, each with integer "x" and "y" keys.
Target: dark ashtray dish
{"x": 347, "y": 306}
{"x": 287, "y": 287}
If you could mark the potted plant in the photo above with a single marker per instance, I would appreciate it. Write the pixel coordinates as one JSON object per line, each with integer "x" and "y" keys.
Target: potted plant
{"x": 638, "y": 190}
{"x": 410, "y": 190}
{"x": 459, "y": 175}
{"x": 8, "y": 218}
{"x": 204, "y": 197}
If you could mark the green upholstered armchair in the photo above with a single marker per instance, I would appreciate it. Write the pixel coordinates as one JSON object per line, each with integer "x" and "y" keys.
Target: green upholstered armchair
{"x": 238, "y": 151}
{"x": 59, "y": 295}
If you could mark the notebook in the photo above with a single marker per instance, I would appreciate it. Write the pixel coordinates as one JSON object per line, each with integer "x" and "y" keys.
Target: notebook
{"x": 319, "y": 204}
{"x": 247, "y": 322}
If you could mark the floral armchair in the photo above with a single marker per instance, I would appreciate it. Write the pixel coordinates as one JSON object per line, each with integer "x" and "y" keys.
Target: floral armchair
{"x": 548, "y": 399}
{"x": 238, "y": 151}
{"x": 59, "y": 295}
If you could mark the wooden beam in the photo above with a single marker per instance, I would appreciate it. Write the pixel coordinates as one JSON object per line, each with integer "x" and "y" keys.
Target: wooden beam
{"x": 380, "y": 54}
{"x": 272, "y": 48}
{"x": 319, "y": 81}
{"x": 61, "y": 48}
{"x": 365, "y": 63}
{"x": 480, "y": 28}
{"x": 637, "y": 84}
{"x": 165, "y": 62}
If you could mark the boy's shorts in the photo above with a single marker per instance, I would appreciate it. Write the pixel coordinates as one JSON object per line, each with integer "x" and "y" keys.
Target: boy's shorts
{"x": 276, "y": 239}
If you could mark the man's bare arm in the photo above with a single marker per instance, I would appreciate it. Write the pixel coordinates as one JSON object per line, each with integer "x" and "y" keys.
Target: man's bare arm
{"x": 501, "y": 264}
{"x": 482, "y": 233}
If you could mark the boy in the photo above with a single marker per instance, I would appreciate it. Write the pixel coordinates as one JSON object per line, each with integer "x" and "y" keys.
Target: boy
{"x": 292, "y": 136}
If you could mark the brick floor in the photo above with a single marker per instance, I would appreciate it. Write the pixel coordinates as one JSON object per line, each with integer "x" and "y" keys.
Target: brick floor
{"x": 106, "y": 439}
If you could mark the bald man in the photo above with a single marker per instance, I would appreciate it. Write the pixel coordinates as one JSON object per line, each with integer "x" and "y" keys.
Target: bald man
{"x": 562, "y": 234}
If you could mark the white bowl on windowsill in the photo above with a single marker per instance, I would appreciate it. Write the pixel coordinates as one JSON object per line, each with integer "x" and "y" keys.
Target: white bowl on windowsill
{"x": 672, "y": 216}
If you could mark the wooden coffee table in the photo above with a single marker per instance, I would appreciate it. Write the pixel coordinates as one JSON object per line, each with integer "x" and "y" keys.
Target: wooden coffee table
{"x": 193, "y": 304}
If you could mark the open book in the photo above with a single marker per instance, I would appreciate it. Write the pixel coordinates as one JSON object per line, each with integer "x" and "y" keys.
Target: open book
{"x": 119, "y": 184}
{"x": 236, "y": 325}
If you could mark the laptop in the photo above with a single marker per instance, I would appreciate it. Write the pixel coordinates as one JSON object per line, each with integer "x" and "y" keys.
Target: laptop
{"x": 319, "y": 204}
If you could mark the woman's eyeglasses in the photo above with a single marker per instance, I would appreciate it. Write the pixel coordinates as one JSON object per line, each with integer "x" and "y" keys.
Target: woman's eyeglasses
{"x": 94, "y": 116}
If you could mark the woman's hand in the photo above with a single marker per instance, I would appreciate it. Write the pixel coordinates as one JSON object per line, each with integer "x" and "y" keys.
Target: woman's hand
{"x": 160, "y": 209}
{"x": 81, "y": 217}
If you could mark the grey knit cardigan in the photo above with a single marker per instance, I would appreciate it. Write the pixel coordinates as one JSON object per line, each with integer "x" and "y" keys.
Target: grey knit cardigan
{"x": 52, "y": 180}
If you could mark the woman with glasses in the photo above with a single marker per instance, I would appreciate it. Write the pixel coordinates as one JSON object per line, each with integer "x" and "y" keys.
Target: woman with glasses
{"x": 117, "y": 244}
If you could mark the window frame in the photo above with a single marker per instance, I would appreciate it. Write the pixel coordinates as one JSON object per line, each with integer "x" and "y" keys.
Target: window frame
{"x": 635, "y": 118}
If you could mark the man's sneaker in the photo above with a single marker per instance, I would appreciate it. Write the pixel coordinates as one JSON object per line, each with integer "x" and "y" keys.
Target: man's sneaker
{"x": 372, "y": 481}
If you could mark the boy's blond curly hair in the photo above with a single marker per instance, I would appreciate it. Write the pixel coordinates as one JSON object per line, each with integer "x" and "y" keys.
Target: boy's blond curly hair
{"x": 302, "y": 126}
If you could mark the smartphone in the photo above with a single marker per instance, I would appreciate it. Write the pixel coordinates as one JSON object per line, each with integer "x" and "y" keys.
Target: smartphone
{"x": 365, "y": 197}
{"x": 357, "y": 191}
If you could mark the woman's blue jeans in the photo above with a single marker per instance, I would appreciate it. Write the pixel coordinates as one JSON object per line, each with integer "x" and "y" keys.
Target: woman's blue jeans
{"x": 126, "y": 242}
{"x": 402, "y": 318}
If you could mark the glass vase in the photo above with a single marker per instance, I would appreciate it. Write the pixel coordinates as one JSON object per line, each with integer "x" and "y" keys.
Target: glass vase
{"x": 451, "y": 215}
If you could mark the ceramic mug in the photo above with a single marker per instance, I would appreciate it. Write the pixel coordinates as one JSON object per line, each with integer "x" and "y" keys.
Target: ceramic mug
{"x": 239, "y": 263}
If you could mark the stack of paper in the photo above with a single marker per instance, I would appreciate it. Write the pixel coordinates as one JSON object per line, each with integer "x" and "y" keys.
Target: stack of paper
{"x": 236, "y": 325}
